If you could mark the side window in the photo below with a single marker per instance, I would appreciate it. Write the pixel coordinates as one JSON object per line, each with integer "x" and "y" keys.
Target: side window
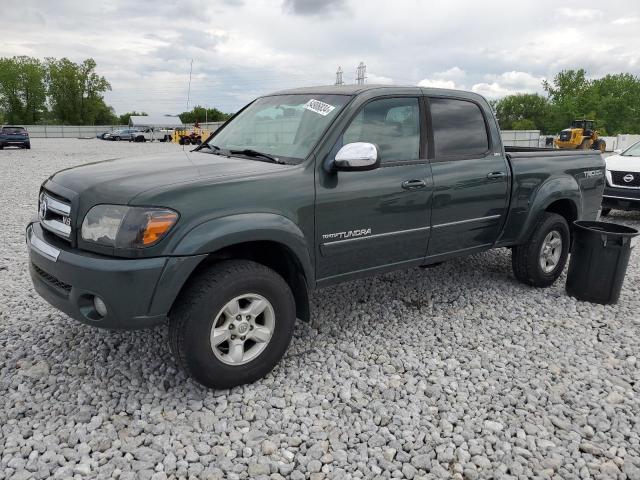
{"x": 391, "y": 123}
{"x": 458, "y": 128}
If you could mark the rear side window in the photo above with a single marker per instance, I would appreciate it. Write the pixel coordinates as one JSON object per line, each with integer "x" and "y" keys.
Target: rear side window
{"x": 458, "y": 128}
{"x": 391, "y": 123}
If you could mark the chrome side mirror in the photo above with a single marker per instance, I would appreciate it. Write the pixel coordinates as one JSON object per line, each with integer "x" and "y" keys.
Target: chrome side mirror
{"x": 357, "y": 156}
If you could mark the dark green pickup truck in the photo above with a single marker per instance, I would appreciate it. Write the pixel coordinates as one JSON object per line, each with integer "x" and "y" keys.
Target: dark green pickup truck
{"x": 299, "y": 190}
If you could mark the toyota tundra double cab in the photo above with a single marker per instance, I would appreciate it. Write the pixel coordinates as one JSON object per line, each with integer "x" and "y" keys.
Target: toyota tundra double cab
{"x": 299, "y": 190}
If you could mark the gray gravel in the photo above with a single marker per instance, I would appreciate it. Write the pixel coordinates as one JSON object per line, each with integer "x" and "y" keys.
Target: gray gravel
{"x": 450, "y": 372}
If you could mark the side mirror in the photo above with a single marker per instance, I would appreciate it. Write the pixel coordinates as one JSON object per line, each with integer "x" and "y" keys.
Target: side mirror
{"x": 357, "y": 156}
{"x": 617, "y": 151}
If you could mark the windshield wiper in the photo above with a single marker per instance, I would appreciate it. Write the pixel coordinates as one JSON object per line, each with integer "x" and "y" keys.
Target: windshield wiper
{"x": 254, "y": 153}
{"x": 213, "y": 148}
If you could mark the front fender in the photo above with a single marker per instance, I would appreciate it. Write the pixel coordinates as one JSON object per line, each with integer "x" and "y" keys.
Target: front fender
{"x": 552, "y": 190}
{"x": 213, "y": 235}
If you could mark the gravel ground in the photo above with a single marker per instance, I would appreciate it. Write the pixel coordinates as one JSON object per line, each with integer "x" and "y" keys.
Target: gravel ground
{"x": 454, "y": 371}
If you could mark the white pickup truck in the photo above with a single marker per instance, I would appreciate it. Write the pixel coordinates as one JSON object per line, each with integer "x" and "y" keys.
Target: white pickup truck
{"x": 149, "y": 134}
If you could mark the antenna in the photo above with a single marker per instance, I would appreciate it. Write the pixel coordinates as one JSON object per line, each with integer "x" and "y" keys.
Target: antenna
{"x": 189, "y": 90}
{"x": 339, "y": 80}
{"x": 361, "y": 73}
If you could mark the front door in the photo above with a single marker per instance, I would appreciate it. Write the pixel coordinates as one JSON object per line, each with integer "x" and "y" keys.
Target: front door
{"x": 470, "y": 177}
{"x": 368, "y": 220}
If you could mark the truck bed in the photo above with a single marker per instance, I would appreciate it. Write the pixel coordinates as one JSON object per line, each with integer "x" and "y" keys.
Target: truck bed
{"x": 538, "y": 172}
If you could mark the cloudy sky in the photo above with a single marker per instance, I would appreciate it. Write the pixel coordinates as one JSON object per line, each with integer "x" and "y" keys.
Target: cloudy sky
{"x": 244, "y": 48}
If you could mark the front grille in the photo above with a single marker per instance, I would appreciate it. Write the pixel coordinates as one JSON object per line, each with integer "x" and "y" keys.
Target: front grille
{"x": 55, "y": 214}
{"x": 59, "y": 285}
{"x": 565, "y": 136}
{"x": 626, "y": 179}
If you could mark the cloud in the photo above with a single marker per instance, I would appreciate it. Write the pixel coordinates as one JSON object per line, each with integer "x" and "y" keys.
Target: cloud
{"x": 625, "y": 20}
{"x": 580, "y": 13}
{"x": 243, "y": 49}
{"x": 437, "y": 83}
{"x": 313, "y": 7}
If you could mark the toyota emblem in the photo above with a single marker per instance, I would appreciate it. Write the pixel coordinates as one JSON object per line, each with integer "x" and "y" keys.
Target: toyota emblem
{"x": 628, "y": 178}
{"x": 43, "y": 208}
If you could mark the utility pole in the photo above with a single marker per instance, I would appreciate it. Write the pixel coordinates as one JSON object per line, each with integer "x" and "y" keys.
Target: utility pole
{"x": 361, "y": 73}
{"x": 189, "y": 90}
{"x": 339, "y": 80}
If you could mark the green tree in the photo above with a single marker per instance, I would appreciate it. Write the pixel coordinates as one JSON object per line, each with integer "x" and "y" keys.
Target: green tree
{"x": 515, "y": 112}
{"x": 22, "y": 89}
{"x": 200, "y": 114}
{"x": 76, "y": 92}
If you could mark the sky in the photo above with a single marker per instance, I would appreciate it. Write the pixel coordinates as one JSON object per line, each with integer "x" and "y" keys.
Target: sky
{"x": 245, "y": 48}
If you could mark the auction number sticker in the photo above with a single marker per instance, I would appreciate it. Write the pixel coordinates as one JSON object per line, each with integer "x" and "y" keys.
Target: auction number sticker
{"x": 319, "y": 107}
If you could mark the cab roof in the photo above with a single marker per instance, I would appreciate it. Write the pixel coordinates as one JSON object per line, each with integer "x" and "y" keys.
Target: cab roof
{"x": 377, "y": 89}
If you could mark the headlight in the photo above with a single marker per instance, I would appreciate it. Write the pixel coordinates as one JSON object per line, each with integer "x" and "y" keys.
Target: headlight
{"x": 120, "y": 226}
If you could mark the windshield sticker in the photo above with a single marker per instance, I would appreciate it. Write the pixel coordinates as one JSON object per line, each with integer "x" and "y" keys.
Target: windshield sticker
{"x": 319, "y": 107}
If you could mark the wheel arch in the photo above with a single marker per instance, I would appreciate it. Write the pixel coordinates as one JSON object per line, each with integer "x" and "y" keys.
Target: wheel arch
{"x": 269, "y": 239}
{"x": 559, "y": 195}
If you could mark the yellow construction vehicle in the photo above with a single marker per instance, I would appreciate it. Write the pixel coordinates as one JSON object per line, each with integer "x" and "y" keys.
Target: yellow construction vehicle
{"x": 581, "y": 135}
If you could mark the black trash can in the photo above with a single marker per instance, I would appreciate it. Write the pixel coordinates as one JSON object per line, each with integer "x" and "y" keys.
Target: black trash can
{"x": 599, "y": 258}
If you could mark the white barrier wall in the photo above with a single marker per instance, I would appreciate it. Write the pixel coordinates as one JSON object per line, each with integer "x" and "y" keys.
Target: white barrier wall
{"x": 520, "y": 138}
{"x": 69, "y": 131}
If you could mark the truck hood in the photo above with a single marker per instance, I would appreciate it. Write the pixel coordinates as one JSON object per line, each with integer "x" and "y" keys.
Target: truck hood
{"x": 621, "y": 163}
{"x": 119, "y": 180}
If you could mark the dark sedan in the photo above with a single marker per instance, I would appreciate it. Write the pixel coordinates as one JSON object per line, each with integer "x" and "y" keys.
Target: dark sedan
{"x": 12, "y": 136}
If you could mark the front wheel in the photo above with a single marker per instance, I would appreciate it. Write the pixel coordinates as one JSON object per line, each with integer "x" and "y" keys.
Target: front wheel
{"x": 540, "y": 261}
{"x": 232, "y": 324}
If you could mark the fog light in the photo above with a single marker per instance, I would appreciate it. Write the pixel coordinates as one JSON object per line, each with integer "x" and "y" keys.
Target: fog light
{"x": 99, "y": 305}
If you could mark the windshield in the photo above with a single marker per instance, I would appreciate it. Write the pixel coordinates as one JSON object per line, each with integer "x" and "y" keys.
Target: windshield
{"x": 632, "y": 151}
{"x": 284, "y": 126}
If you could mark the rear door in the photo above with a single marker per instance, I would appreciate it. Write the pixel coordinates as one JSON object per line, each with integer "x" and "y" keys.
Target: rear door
{"x": 470, "y": 177}
{"x": 368, "y": 220}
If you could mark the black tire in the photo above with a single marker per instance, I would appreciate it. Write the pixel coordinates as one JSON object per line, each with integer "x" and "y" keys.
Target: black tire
{"x": 28, "y": 146}
{"x": 1, "y": 146}
{"x": 605, "y": 211}
{"x": 525, "y": 258}
{"x": 194, "y": 312}
{"x": 116, "y": 139}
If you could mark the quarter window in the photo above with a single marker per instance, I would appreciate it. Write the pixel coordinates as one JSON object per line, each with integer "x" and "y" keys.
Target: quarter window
{"x": 391, "y": 123}
{"x": 458, "y": 128}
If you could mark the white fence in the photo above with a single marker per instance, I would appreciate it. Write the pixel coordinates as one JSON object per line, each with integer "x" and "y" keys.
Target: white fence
{"x": 69, "y": 131}
{"x": 520, "y": 138}
{"x": 90, "y": 131}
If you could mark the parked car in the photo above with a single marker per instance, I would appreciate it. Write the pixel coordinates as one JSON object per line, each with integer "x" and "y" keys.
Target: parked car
{"x": 300, "y": 190}
{"x": 123, "y": 134}
{"x": 14, "y": 136}
{"x": 622, "y": 191}
{"x": 150, "y": 134}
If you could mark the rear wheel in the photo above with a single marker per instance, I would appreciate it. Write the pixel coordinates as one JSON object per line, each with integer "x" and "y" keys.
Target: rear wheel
{"x": 540, "y": 261}
{"x": 232, "y": 324}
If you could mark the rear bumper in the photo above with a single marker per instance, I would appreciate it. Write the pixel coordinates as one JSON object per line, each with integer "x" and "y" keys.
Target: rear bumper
{"x": 621, "y": 198}
{"x": 7, "y": 142}
{"x": 138, "y": 293}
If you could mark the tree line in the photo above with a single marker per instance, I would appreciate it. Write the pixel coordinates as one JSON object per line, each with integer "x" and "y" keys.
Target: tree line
{"x": 613, "y": 101}
{"x": 52, "y": 91}
{"x": 59, "y": 91}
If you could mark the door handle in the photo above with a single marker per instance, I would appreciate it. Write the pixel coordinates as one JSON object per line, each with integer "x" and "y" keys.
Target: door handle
{"x": 413, "y": 184}
{"x": 496, "y": 175}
